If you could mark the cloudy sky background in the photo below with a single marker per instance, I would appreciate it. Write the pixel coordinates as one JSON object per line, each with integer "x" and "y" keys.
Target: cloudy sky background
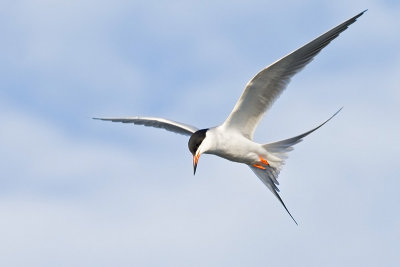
{"x": 78, "y": 192}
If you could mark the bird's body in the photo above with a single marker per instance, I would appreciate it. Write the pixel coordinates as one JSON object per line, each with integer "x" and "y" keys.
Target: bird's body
{"x": 242, "y": 150}
{"x": 233, "y": 139}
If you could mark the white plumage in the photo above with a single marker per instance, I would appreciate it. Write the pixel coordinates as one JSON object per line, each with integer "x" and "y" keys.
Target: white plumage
{"x": 233, "y": 139}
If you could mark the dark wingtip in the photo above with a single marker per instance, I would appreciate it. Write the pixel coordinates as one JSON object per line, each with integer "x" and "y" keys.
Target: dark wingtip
{"x": 353, "y": 19}
{"x": 361, "y": 13}
{"x": 100, "y": 119}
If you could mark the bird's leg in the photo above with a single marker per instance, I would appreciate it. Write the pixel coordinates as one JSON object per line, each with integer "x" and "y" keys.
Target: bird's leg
{"x": 259, "y": 166}
{"x": 264, "y": 161}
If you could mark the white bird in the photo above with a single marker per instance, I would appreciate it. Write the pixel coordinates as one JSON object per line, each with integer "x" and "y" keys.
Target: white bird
{"x": 233, "y": 139}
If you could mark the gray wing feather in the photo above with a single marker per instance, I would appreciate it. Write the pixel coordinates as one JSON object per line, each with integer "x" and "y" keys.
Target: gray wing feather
{"x": 261, "y": 92}
{"x": 169, "y": 125}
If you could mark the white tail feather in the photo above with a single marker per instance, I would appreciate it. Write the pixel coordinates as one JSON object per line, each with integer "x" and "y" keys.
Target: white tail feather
{"x": 281, "y": 148}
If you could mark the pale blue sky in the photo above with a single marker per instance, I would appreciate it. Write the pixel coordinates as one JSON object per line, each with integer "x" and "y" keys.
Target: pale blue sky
{"x": 78, "y": 192}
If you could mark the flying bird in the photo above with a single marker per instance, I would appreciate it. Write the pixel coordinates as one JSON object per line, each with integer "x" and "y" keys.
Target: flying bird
{"x": 233, "y": 139}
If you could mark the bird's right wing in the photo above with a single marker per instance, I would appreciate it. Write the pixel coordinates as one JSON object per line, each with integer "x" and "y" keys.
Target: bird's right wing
{"x": 169, "y": 125}
{"x": 261, "y": 91}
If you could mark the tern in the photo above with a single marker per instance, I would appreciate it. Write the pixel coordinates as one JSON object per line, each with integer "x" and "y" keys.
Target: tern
{"x": 233, "y": 139}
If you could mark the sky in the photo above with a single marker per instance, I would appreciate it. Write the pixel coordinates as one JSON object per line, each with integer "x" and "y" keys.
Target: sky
{"x": 80, "y": 192}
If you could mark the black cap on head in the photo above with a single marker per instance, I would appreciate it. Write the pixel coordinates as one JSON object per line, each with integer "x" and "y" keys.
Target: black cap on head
{"x": 196, "y": 139}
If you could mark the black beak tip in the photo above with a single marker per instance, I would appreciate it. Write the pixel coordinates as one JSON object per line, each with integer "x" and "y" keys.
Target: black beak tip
{"x": 194, "y": 169}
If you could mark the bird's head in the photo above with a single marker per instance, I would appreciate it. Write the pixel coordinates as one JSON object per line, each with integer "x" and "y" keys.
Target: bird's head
{"x": 196, "y": 146}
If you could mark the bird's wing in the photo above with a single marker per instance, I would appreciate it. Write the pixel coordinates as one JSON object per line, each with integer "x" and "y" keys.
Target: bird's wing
{"x": 261, "y": 91}
{"x": 269, "y": 178}
{"x": 168, "y": 125}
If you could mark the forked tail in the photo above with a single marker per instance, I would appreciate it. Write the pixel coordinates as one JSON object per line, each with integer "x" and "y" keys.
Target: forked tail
{"x": 269, "y": 175}
{"x": 281, "y": 148}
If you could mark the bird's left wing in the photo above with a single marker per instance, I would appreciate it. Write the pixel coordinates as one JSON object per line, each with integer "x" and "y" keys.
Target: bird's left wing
{"x": 261, "y": 91}
{"x": 269, "y": 178}
{"x": 169, "y": 125}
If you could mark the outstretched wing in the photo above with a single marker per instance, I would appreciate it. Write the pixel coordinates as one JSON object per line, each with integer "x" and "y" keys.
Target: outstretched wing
{"x": 269, "y": 178}
{"x": 261, "y": 92}
{"x": 168, "y": 125}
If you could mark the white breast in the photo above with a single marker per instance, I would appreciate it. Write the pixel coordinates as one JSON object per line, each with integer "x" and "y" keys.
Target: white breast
{"x": 232, "y": 146}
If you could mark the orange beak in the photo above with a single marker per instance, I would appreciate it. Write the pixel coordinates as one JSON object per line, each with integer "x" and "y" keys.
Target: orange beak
{"x": 195, "y": 160}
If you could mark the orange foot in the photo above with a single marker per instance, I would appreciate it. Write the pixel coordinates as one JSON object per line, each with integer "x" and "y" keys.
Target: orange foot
{"x": 264, "y": 161}
{"x": 259, "y": 166}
